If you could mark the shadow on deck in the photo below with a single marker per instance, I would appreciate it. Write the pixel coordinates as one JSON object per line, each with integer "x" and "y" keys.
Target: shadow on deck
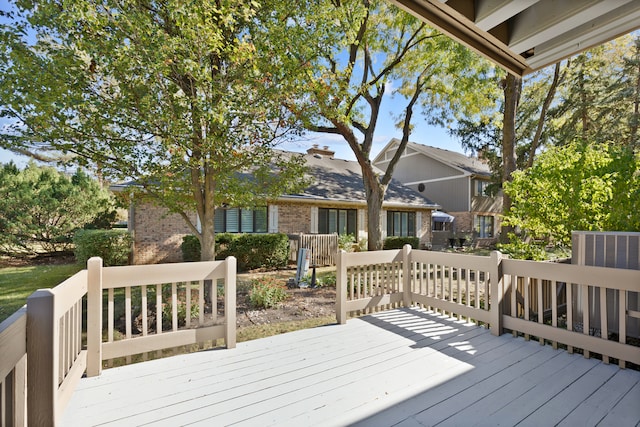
{"x": 404, "y": 367}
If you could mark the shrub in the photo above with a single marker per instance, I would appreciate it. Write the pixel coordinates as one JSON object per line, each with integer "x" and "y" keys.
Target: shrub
{"x": 266, "y": 292}
{"x": 346, "y": 242}
{"x": 253, "y": 251}
{"x": 190, "y": 248}
{"x": 517, "y": 249}
{"x": 396, "y": 242}
{"x": 113, "y": 246}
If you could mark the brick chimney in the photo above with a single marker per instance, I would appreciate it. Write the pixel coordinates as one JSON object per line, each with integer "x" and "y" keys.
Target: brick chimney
{"x": 324, "y": 151}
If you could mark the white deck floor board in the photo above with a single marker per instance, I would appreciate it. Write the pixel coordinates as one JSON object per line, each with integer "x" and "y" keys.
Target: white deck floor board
{"x": 404, "y": 367}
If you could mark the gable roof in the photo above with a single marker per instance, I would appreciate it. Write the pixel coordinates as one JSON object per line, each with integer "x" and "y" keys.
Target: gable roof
{"x": 340, "y": 180}
{"x": 468, "y": 165}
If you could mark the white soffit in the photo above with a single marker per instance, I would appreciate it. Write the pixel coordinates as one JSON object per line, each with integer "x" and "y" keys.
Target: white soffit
{"x": 525, "y": 35}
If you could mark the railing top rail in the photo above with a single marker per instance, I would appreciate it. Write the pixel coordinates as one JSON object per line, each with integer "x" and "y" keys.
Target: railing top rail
{"x": 473, "y": 262}
{"x": 352, "y": 259}
{"x": 116, "y": 277}
{"x": 13, "y": 340}
{"x": 70, "y": 291}
{"x": 613, "y": 278}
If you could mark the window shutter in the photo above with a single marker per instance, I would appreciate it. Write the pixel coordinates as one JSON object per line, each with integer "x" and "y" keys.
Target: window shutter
{"x": 384, "y": 224}
{"x": 419, "y": 230}
{"x": 273, "y": 219}
{"x": 314, "y": 220}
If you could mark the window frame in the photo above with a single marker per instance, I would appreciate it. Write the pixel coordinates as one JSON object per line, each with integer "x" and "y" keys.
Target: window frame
{"x": 481, "y": 223}
{"x": 345, "y": 221}
{"x": 258, "y": 225}
{"x": 401, "y": 224}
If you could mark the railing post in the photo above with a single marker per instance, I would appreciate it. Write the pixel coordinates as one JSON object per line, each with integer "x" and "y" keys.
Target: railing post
{"x": 230, "y": 302}
{"x": 42, "y": 358}
{"x": 94, "y": 317}
{"x": 406, "y": 275}
{"x": 496, "y": 293}
{"x": 341, "y": 288}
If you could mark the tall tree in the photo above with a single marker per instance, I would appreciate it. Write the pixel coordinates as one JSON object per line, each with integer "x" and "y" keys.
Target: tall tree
{"x": 512, "y": 90}
{"x": 166, "y": 93}
{"x": 346, "y": 56}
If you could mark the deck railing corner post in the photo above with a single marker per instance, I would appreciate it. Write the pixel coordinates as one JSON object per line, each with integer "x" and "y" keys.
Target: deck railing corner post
{"x": 42, "y": 357}
{"x": 230, "y": 302}
{"x": 496, "y": 293}
{"x": 94, "y": 316}
{"x": 341, "y": 287}
{"x": 406, "y": 275}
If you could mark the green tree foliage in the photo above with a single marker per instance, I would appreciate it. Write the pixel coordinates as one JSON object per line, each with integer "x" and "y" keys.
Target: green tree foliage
{"x": 41, "y": 208}
{"x": 579, "y": 186}
{"x": 165, "y": 93}
{"x": 342, "y": 59}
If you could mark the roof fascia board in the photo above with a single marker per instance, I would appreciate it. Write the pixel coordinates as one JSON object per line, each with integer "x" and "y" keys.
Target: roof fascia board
{"x": 612, "y": 25}
{"x": 458, "y": 27}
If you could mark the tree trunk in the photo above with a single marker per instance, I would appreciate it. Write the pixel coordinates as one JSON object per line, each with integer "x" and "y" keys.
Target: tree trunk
{"x": 375, "y": 196}
{"x": 207, "y": 240}
{"x": 512, "y": 88}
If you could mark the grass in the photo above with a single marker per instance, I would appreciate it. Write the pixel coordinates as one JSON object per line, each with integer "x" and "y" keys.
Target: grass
{"x": 17, "y": 283}
{"x": 261, "y": 331}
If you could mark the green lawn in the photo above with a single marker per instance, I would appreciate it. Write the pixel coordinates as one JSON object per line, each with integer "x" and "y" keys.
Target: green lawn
{"x": 17, "y": 283}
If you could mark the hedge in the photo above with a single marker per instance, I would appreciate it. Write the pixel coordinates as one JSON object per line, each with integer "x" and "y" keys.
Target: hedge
{"x": 252, "y": 251}
{"x": 113, "y": 246}
{"x": 396, "y": 242}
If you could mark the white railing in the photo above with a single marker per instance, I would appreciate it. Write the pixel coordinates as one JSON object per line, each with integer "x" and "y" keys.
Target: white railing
{"x": 322, "y": 247}
{"x": 13, "y": 369}
{"x": 42, "y": 346}
{"x": 530, "y": 298}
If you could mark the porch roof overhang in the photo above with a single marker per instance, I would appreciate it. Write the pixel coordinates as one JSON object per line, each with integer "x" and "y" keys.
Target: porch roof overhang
{"x": 439, "y": 216}
{"x": 523, "y": 36}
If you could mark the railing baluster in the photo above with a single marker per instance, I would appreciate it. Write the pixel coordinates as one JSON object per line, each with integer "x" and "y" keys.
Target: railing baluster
{"x": 622, "y": 323}
{"x": 527, "y": 302}
{"x": 554, "y": 309}
{"x": 174, "y": 306}
{"x": 201, "y": 301}
{"x": 145, "y": 316}
{"x": 187, "y": 296}
{"x": 158, "y": 309}
{"x": 110, "y": 314}
{"x": 604, "y": 330}
{"x": 540, "y": 308}
{"x": 127, "y": 316}
{"x": 569, "y": 292}
{"x": 586, "y": 324}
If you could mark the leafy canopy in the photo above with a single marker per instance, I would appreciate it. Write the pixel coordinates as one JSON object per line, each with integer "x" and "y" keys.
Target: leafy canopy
{"x": 167, "y": 93}
{"x": 579, "y": 186}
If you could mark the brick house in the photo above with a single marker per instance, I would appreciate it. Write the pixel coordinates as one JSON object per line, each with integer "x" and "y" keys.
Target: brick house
{"x": 457, "y": 182}
{"x": 334, "y": 202}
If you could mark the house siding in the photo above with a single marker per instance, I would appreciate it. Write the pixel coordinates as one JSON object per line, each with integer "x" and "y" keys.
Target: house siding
{"x": 157, "y": 234}
{"x": 418, "y": 167}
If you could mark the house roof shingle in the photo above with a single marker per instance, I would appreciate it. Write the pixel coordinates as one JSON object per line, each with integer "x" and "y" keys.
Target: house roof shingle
{"x": 341, "y": 181}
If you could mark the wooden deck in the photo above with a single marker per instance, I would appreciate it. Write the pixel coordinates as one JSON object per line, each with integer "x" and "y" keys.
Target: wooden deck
{"x": 403, "y": 367}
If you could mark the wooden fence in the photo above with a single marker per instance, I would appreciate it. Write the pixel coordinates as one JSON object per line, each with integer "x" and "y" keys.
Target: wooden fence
{"x": 533, "y": 299}
{"x": 323, "y": 248}
{"x": 43, "y": 350}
